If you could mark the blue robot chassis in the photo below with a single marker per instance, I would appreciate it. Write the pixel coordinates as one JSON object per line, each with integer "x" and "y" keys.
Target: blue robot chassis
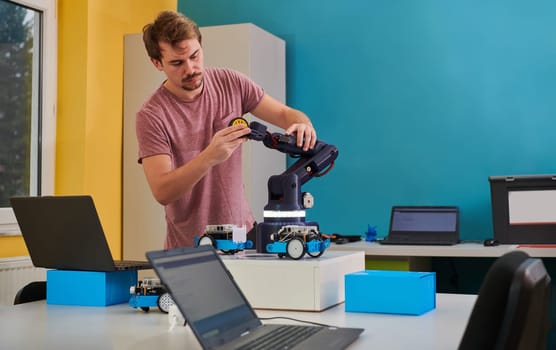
{"x": 294, "y": 241}
{"x": 148, "y": 293}
{"x": 221, "y": 238}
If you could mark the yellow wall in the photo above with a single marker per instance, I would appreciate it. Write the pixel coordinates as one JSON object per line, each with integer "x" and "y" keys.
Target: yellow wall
{"x": 89, "y": 110}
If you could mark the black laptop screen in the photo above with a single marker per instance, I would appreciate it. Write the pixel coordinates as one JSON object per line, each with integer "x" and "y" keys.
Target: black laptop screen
{"x": 206, "y": 295}
{"x": 419, "y": 220}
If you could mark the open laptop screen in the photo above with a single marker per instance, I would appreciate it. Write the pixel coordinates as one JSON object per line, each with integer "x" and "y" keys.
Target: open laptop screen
{"x": 205, "y": 293}
{"x": 424, "y": 220}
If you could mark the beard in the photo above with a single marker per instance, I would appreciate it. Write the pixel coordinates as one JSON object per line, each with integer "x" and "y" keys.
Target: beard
{"x": 190, "y": 83}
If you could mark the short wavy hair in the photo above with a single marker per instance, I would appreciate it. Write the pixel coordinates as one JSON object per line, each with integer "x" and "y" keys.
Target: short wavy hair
{"x": 170, "y": 27}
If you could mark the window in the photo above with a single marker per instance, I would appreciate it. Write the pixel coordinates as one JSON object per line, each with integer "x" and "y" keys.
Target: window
{"x": 28, "y": 60}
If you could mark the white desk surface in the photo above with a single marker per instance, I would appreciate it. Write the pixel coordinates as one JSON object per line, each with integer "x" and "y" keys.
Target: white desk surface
{"x": 458, "y": 250}
{"x": 56, "y": 327}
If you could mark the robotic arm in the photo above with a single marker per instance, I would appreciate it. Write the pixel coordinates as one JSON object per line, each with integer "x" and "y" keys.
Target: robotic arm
{"x": 284, "y": 190}
{"x": 286, "y": 203}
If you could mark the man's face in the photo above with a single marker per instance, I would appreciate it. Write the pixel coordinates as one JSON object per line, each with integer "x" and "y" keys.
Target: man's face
{"x": 182, "y": 64}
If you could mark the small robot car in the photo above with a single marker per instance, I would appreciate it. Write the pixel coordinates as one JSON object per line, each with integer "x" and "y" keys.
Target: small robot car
{"x": 149, "y": 292}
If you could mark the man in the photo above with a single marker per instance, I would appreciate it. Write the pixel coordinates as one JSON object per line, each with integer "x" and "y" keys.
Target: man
{"x": 190, "y": 156}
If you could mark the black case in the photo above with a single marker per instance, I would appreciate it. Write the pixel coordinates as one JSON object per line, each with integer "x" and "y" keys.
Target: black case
{"x": 532, "y": 233}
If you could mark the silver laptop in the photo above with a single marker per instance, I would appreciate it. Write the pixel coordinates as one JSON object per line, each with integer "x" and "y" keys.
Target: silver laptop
{"x": 219, "y": 314}
{"x": 65, "y": 233}
{"x": 423, "y": 225}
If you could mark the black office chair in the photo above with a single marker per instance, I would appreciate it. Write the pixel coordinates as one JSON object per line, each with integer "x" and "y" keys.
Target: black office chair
{"x": 33, "y": 291}
{"x": 512, "y": 308}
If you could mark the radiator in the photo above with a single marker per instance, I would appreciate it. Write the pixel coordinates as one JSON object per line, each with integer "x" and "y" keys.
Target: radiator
{"x": 15, "y": 273}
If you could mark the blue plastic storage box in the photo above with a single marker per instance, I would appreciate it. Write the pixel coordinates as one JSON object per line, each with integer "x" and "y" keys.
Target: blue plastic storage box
{"x": 392, "y": 292}
{"x": 89, "y": 288}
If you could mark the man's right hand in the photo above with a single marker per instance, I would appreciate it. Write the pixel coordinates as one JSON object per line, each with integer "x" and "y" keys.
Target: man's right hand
{"x": 225, "y": 142}
{"x": 169, "y": 184}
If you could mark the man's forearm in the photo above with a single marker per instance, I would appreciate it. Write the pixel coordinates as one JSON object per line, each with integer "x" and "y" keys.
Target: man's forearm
{"x": 170, "y": 185}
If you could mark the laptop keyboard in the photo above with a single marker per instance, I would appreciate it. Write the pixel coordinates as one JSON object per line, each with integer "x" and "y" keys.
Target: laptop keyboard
{"x": 283, "y": 337}
{"x": 131, "y": 264}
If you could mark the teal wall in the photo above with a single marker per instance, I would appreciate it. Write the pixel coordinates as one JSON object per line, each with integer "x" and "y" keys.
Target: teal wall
{"x": 424, "y": 99}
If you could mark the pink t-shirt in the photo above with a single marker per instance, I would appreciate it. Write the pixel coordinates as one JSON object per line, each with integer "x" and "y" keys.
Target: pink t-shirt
{"x": 182, "y": 129}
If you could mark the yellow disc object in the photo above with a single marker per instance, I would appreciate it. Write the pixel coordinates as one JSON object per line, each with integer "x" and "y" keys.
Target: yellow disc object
{"x": 239, "y": 121}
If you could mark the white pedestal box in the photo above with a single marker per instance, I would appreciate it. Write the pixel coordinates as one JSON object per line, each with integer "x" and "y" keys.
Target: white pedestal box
{"x": 308, "y": 284}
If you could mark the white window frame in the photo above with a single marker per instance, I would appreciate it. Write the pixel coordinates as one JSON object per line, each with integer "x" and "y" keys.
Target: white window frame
{"x": 48, "y": 91}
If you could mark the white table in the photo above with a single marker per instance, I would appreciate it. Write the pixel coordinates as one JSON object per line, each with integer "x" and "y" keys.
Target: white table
{"x": 457, "y": 250}
{"x": 418, "y": 256}
{"x": 54, "y": 327}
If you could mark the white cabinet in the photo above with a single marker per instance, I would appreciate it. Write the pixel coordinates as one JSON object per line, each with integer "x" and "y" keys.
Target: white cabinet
{"x": 243, "y": 47}
{"x": 143, "y": 224}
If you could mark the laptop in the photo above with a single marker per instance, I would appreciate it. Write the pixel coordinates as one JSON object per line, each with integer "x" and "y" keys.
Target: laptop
{"x": 219, "y": 314}
{"x": 64, "y": 232}
{"x": 423, "y": 225}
